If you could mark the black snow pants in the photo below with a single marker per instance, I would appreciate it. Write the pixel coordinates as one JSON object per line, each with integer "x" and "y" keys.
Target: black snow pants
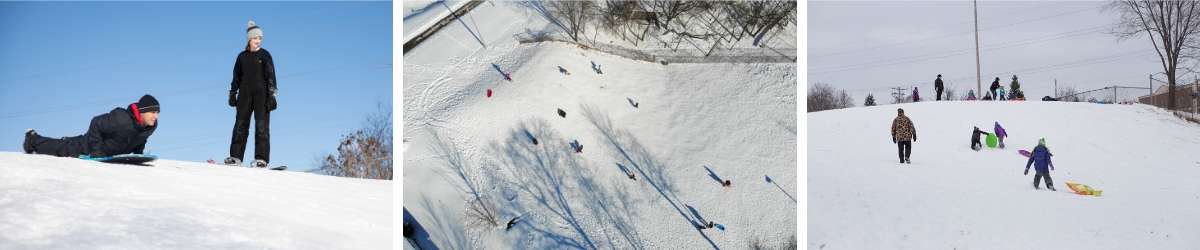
{"x": 905, "y": 150}
{"x": 254, "y": 102}
{"x": 64, "y": 147}
{"x": 1043, "y": 175}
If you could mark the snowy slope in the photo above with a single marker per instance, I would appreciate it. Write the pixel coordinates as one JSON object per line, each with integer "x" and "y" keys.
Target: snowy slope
{"x": 63, "y": 203}
{"x": 738, "y": 120}
{"x": 860, "y": 197}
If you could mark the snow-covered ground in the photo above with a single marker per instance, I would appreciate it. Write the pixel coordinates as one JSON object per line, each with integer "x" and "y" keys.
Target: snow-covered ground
{"x": 950, "y": 197}
{"x": 694, "y": 124}
{"x": 64, "y": 203}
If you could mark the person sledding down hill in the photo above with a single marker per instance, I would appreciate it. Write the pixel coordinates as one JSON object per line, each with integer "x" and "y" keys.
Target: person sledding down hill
{"x": 120, "y": 131}
{"x": 1040, "y": 159}
{"x": 975, "y": 145}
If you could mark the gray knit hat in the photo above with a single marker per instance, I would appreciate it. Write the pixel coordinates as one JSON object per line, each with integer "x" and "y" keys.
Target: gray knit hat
{"x": 252, "y": 30}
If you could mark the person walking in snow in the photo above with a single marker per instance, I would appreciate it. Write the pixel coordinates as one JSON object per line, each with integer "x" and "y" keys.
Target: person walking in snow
{"x": 120, "y": 131}
{"x": 975, "y": 144}
{"x": 252, "y": 91}
{"x": 903, "y": 135}
{"x": 1040, "y": 159}
{"x": 938, "y": 87}
{"x": 1000, "y": 134}
{"x": 992, "y": 89}
{"x": 596, "y": 67}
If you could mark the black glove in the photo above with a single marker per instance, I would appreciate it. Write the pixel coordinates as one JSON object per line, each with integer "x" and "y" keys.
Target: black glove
{"x": 233, "y": 98}
{"x": 1026, "y": 171}
{"x": 271, "y": 104}
{"x": 893, "y": 140}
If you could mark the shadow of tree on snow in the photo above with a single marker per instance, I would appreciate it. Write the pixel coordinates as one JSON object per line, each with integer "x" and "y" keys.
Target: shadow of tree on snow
{"x": 556, "y": 190}
{"x": 626, "y": 147}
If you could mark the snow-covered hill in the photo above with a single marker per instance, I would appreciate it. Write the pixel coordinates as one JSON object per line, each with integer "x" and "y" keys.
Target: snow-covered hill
{"x": 950, "y": 197}
{"x": 694, "y": 124}
{"x": 63, "y": 203}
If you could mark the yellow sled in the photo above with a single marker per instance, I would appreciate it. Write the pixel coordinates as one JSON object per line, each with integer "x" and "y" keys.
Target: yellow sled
{"x": 1081, "y": 189}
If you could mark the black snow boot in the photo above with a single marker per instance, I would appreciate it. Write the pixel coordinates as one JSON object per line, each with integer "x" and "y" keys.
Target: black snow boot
{"x": 28, "y": 145}
{"x": 233, "y": 161}
{"x": 260, "y": 163}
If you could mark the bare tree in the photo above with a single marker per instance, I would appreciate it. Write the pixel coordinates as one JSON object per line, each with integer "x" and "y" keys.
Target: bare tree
{"x": 758, "y": 16}
{"x": 570, "y": 16}
{"x": 1172, "y": 29}
{"x": 824, "y": 97}
{"x": 365, "y": 153}
{"x": 1069, "y": 94}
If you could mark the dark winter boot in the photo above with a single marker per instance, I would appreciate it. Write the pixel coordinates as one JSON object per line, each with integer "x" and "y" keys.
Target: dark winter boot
{"x": 28, "y": 145}
{"x": 259, "y": 163}
{"x": 233, "y": 161}
{"x": 1051, "y": 188}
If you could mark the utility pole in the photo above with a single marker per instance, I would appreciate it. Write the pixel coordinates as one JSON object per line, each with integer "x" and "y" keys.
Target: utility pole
{"x": 978, "y": 78}
{"x": 898, "y": 94}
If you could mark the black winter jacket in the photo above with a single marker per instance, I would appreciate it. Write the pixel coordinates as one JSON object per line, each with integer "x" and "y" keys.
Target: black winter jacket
{"x": 253, "y": 72}
{"x": 117, "y": 132}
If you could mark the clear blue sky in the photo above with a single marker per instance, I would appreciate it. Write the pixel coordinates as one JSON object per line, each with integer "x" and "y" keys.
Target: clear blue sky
{"x": 63, "y": 63}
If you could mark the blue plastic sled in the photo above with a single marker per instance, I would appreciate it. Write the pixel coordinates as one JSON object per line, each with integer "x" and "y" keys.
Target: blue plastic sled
{"x": 136, "y": 159}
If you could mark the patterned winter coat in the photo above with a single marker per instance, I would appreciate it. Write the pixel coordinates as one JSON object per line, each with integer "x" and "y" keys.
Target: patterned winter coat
{"x": 903, "y": 130}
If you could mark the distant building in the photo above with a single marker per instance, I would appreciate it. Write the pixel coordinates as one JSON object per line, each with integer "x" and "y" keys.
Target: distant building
{"x": 1183, "y": 96}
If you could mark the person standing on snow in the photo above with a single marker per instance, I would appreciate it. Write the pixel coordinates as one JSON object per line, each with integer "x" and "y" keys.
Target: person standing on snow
{"x": 970, "y": 95}
{"x": 938, "y": 87}
{"x": 120, "y": 131}
{"x": 252, "y": 92}
{"x": 903, "y": 135}
{"x": 916, "y": 95}
{"x": 1000, "y": 96}
{"x": 1040, "y": 158}
{"x": 975, "y": 145}
{"x": 992, "y": 89}
{"x": 1000, "y": 134}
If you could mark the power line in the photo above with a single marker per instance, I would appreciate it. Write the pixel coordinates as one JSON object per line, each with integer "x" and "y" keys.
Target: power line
{"x": 93, "y": 103}
{"x": 964, "y": 22}
{"x": 951, "y": 53}
{"x": 860, "y": 50}
{"x": 1071, "y": 64}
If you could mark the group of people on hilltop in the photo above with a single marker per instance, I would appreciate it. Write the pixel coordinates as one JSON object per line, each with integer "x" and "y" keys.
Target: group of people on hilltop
{"x": 904, "y": 134}
{"x": 995, "y": 91}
